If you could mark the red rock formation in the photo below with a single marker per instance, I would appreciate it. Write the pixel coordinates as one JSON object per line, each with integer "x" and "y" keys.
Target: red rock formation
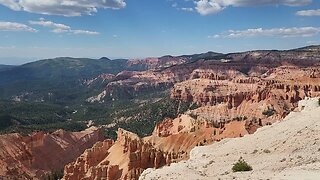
{"x": 126, "y": 158}
{"x": 129, "y": 155}
{"x": 91, "y": 157}
{"x": 164, "y": 72}
{"x": 279, "y": 89}
{"x": 33, "y": 156}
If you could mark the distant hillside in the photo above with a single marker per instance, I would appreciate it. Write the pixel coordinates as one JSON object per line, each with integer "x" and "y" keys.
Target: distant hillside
{"x": 5, "y": 67}
{"x": 61, "y": 75}
{"x": 60, "y": 69}
{"x": 205, "y": 56}
{"x": 297, "y": 56}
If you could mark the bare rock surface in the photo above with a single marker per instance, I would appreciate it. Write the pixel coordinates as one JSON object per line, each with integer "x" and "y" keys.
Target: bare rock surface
{"x": 127, "y": 157}
{"x": 33, "y": 156}
{"x": 288, "y": 149}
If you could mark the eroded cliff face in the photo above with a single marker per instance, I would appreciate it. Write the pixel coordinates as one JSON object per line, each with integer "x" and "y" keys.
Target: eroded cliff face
{"x": 130, "y": 155}
{"x": 125, "y": 158}
{"x": 31, "y": 157}
{"x": 128, "y": 84}
{"x": 163, "y": 72}
{"x": 285, "y": 150}
{"x": 268, "y": 97}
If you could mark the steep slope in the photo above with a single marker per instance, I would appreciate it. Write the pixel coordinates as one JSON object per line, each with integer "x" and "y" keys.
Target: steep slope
{"x": 228, "y": 95}
{"x": 126, "y": 158}
{"x": 130, "y": 155}
{"x": 34, "y": 156}
{"x": 285, "y": 150}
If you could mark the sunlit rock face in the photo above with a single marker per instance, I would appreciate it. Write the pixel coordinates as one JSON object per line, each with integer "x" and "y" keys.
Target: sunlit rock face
{"x": 34, "y": 156}
{"x": 291, "y": 153}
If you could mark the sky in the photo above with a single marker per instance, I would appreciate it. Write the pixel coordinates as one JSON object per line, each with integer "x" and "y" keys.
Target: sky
{"x": 37, "y": 29}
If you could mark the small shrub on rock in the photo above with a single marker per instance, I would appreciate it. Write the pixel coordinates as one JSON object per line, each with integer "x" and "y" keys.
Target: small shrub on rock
{"x": 241, "y": 166}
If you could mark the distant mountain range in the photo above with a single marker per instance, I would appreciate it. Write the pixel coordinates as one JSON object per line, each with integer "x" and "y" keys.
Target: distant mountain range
{"x": 66, "y": 73}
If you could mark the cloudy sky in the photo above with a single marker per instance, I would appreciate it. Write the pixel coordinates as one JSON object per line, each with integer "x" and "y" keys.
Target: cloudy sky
{"x": 36, "y": 29}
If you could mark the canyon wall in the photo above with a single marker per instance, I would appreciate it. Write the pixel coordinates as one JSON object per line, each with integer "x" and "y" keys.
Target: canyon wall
{"x": 34, "y": 156}
{"x": 269, "y": 97}
{"x": 288, "y": 149}
{"x": 130, "y": 155}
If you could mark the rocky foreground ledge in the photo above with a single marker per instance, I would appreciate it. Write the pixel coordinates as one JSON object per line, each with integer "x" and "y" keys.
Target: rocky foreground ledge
{"x": 289, "y": 149}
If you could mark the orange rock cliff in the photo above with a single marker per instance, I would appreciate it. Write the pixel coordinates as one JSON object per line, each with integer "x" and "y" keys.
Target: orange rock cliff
{"x": 34, "y": 156}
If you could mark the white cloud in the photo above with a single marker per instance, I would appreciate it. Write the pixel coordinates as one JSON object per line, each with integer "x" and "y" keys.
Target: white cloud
{"x": 43, "y": 22}
{"x": 206, "y": 7}
{"x": 13, "y": 26}
{"x": 61, "y": 28}
{"x": 84, "y": 32}
{"x": 187, "y": 9}
{"x": 279, "y": 32}
{"x": 315, "y": 12}
{"x": 63, "y": 7}
{"x": 11, "y": 4}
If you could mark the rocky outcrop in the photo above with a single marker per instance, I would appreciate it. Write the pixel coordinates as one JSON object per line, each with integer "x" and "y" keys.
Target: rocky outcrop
{"x": 130, "y": 155}
{"x": 125, "y": 158}
{"x": 91, "y": 157}
{"x": 294, "y": 82}
{"x": 268, "y": 97}
{"x": 291, "y": 153}
{"x": 33, "y": 156}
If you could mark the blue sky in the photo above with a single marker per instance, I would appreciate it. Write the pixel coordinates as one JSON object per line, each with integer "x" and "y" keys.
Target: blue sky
{"x": 36, "y": 29}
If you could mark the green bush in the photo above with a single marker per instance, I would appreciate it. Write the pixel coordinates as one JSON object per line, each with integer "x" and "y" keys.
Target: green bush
{"x": 241, "y": 166}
